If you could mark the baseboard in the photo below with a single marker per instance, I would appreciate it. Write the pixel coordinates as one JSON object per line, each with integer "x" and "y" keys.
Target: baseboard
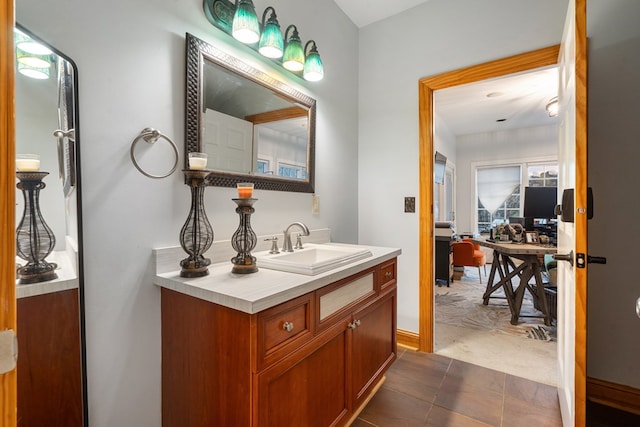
{"x": 408, "y": 339}
{"x": 614, "y": 395}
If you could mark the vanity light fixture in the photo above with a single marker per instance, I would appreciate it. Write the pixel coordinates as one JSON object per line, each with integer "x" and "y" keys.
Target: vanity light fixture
{"x": 245, "y": 28}
{"x": 293, "y": 59}
{"x": 552, "y": 107}
{"x": 33, "y": 58}
{"x": 313, "y": 69}
{"x": 34, "y": 72}
{"x": 28, "y": 45}
{"x": 239, "y": 19}
{"x": 271, "y": 42}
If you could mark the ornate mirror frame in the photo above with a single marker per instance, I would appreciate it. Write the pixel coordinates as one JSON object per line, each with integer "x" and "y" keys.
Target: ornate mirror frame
{"x": 199, "y": 51}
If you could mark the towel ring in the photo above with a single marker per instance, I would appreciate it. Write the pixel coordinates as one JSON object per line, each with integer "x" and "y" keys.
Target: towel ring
{"x": 150, "y": 136}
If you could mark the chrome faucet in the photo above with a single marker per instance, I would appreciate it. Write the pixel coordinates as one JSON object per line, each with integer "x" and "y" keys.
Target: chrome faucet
{"x": 286, "y": 246}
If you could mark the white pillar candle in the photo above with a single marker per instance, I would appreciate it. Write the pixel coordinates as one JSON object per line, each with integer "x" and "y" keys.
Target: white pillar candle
{"x": 197, "y": 161}
{"x": 28, "y": 163}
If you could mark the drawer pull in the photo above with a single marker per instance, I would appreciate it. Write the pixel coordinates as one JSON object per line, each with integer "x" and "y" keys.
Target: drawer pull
{"x": 388, "y": 275}
{"x": 354, "y": 324}
{"x": 287, "y": 326}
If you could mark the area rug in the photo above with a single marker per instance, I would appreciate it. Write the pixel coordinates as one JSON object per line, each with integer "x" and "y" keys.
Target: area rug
{"x": 460, "y": 304}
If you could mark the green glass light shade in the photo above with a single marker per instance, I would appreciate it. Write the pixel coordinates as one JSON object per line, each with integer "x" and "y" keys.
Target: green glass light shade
{"x": 313, "y": 69}
{"x": 34, "y": 72}
{"x": 246, "y": 27}
{"x": 271, "y": 42}
{"x": 33, "y": 60}
{"x": 293, "y": 58}
{"x": 28, "y": 45}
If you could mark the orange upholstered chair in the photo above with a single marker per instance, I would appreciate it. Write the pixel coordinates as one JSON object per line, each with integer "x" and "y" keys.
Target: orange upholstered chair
{"x": 468, "y": 254}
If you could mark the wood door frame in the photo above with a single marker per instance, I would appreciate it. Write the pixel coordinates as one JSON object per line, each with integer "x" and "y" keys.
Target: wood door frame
{"x": 8, "y": 381}
{"x": 513, "y": 64}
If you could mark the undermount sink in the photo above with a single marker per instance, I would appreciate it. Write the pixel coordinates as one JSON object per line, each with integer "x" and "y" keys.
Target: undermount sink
{"x": 313, "y": 259}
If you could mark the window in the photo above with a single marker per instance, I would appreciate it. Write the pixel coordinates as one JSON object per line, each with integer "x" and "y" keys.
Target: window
{"x": 499, "y": 190}
{"x": 498, "y": 195}
{"x": 543, "y": 175}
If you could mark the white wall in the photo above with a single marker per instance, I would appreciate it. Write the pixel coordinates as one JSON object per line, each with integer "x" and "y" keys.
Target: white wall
{"x": 510, "y": 145}
{"x": 435, "y": 37}
{"x": 131, "y": 59}
{"x": 613, "y": 345}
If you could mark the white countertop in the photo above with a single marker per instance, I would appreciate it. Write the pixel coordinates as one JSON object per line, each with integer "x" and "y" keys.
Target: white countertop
{"x": 66, "y": 272}
{"x": 258, "y": 291}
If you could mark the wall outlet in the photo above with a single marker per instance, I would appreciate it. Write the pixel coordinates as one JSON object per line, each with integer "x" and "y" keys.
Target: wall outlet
{"x": 315, "y": 204}
{"x": 409, "y": 204}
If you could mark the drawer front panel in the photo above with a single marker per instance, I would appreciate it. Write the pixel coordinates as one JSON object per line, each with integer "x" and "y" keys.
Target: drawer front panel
{"x": 343, "y": 296}
{"x": 388, "y": 274}
{"x": 285, "y": 325}
{"x": 283, "y": 328}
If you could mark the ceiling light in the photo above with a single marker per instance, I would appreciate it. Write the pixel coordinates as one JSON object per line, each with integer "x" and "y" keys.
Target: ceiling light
{"x": 552, "y": 107}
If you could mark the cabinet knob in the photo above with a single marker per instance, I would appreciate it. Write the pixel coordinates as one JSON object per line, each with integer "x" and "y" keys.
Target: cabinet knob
{"x": 354, "y": 324}
{"x": 388, "y": 275}
{"x": 287, "y": 326}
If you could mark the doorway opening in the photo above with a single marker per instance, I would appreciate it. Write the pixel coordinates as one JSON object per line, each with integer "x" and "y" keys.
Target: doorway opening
{"x": 516, "y": 64}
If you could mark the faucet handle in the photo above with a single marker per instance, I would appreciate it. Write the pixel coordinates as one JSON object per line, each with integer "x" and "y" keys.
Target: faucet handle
{"x": 274, "y": 244}
{"x": 299, "y": 241}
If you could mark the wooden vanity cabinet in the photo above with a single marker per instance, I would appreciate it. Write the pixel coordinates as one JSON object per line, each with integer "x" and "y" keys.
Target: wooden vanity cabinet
{"x": 312, "y": 361}
{"x": 49, "y": 360}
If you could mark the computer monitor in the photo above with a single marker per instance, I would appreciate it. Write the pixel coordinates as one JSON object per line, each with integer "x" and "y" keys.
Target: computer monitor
{"x": 540, "y": 202}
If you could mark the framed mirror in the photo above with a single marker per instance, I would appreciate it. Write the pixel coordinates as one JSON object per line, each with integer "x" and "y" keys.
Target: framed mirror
{"x": 252, "y": 127}
{"x": 49, "y": 286}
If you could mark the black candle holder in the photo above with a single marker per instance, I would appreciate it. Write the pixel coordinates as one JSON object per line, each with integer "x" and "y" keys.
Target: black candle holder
{"x": 196, "y": 236}
{"x": 34, "y": 238}
{"x": 244, "y": 239}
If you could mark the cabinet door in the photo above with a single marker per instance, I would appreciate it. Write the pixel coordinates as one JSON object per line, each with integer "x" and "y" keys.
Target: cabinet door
{"x": 373, "y": 344}
{"x": 308, "y": 389}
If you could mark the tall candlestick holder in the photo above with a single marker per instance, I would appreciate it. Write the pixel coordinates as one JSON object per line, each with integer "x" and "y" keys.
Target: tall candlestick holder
{"x": 34, "y": 238}
{"x": 244, "y": 239}
{"x": 196, "y": 235}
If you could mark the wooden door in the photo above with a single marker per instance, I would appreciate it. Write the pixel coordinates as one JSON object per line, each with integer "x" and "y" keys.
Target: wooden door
{"x": 7, "y": 207}
{"x": 572, "y": 236}
{"x": 372, "y": 345}
{"x": 308, "y": 388}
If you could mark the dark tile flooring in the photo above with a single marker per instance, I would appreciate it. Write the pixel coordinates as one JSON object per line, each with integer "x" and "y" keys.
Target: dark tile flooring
{"x": 429, "y": 390}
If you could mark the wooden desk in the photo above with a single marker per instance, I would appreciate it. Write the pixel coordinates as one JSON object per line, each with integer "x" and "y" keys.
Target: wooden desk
{"x": 503, "y": 254}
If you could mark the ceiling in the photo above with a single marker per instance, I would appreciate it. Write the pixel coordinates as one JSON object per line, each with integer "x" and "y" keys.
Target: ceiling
{"x": 520, "y": 99}
{"x": 511, "y": 102}
{"x": 365, "y": 12}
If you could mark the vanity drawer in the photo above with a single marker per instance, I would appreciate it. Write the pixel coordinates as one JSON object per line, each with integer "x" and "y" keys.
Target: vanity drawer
{"x": 388, "y": 273}
{"x": 284, "y": 327}
{"x": 337, "y": 299}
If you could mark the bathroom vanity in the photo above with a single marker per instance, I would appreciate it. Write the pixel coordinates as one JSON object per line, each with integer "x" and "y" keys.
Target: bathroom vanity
{"x": 276, "y": 348}
{"x": 49, "y": 362}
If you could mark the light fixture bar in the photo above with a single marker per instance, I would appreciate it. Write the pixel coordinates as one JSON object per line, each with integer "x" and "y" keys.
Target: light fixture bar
{"x": 240, "y": 21}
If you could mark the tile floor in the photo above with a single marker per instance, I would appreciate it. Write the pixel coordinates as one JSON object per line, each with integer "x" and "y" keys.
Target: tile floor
{"x": 430, "y": 390}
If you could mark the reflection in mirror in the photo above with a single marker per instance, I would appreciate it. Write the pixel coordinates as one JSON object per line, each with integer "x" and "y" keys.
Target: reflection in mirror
{"x": 252, "y": 126}
{"x": 51, "y": 376}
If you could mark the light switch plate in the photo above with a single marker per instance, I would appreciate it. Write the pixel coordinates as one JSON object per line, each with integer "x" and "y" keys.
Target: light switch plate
{"x": 315, "y": 204}
{"x": 410, "y": 204}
